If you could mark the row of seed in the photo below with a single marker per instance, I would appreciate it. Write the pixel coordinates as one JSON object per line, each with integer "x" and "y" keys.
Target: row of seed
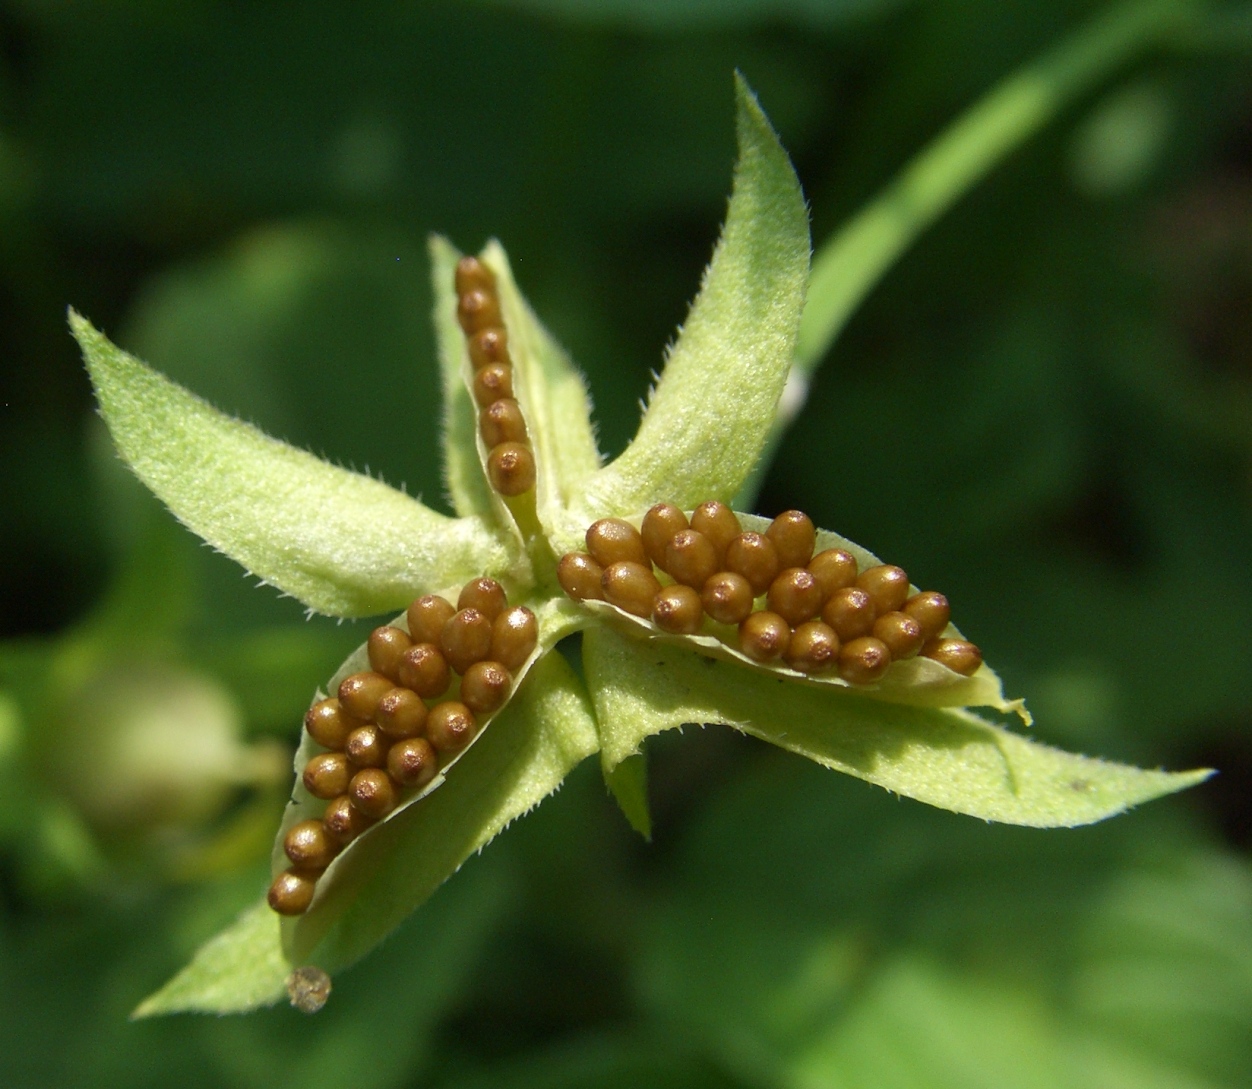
{"x": 381, "y": 736}
{"x": 816, "y": 612}
{"x": 510, "y": 461}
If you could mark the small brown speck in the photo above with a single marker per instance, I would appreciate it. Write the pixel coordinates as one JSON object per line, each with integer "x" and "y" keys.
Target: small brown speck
{"x": 308, "y": 988}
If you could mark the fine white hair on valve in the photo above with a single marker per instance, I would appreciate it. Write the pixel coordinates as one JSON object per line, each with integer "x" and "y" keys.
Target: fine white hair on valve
{"x": 308, "y": 988}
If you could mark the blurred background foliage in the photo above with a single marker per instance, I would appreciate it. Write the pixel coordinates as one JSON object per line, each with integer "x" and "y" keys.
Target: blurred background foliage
{"x": 1045, "y": 410}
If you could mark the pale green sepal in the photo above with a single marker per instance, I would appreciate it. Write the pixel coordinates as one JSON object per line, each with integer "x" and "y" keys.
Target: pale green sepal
{"x": 947, "y": 758}
{"x": 708, "y": 418}
{"x": 240, "y": 969}
{"x": 342, "y": 543}
{"x": 628, "y": 783}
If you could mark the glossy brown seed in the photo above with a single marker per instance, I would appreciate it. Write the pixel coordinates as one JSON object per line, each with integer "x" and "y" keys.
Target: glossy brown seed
{"x": 795, "y": 595}
{"x": 476, "y": 310}
{"x": 834, "y": 568}
{"x": 611, "y": 540}
{"x": 901, "y": 634}
{"x": 466, "y": 639}
{"x": 308, "y": 846}
{"x": 327, "y": 775}
{"x": 753, "y": 556}
{"x": 425, "y": 670}
{"x": 850, "y": 612}
{"x": 958, "y": 655}
{"x": 485, "y": 687}
{"x": 343, "y": 821}
{"x": 511, "y": 467}
{"x": 514, "y": 635}
{"x": 863, "y": 660}
{"x": 764, "y": 636}
{"x": 472, "y": 275}
{"x": 814, "y": 648}
{"x": 367, "y": 747}
{"x": 291, "y": 892}
{"x": 360, "y": 693}
{"x": 451, "y": 726}
{"x": 931, "y": 611}
{"x": 678, "y": 610}
{"x": 887, "y": 585}
{"x": 328, "y": 725}
{"x": 727, "y": 597}
{"x": 489, "y": 346}
{"x": 401, "y": 713}
{"x": 386, "y": 646}
{"x": 373, "y": 792}
{"x": 718, "y": 523}
{"x": 412, "y": 762}
{"x": 630, "y": 586}
{"x": 794, "y": 536}
{"x": 484, "y": 594}
{"x": 579, "y": 576}
{"x": 427, "y": 616}
{"x": 660, "y": 525}
{"x": 492, "y": 383}
{"x": 690, "y": 558}
{"x": 502, "y": 421}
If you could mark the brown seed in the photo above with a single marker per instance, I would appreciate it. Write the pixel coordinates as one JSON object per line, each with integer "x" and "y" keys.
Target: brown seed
{"x": 386, "y": 646}
{"x": 958, "y": 655}
{"x": 511, "y": 467}
{"x": 579, "y": 576}
{"x": 795, "y": 595}
{"x": 727, "y": 597}
{"x": 367, "y": 747}
{"x": 630, "y": 586}
{"x": 466, "y": 639}
{"x": 718, "y": 523}
{"x": 291, "y": 892}
{"x": 659, "y": 526}
{"x": 863, "y": 660}
{"x": 373, "y": 792}
{"x": 401, "y": 713}
{"x": 489, "y": 346}
{"x": 764, "y": 636}
{"x": 343, "y": 821}
{"x": 427, "y": 616}
{"x": 678, "y": 610}
{"x": 753, "y": 556}
{"x": 502, "y": 421}
{"x": 484, "y": 594}
{"x": 901, "y": 634}
{"x": 514, "y": 635}
{"x": 485, "y": 687}
{"x": 850, "y": 612}
{"x": 412, "y": 762}
{"x": 425, "y": 670}
{"x": 492, "y": 383}
{"x": 794, "y": 536}
{"x": 308, "y": 846}
{"x": 814, "y": 648}
{"x": 473, "y": 275}
{"x": 887, "y": 585}
{"x": 360, "y": 693}
{"x": 476, "y": 310}
{"x": 690, "y": 558}
{"x": 327, "y": 775}
{"x": 611, "y": 540}
{"x": 451, "y": 726}
{"x": 327, "y": 724}
{"x": 931, "y": 611}
{"x": 834, "y": 568}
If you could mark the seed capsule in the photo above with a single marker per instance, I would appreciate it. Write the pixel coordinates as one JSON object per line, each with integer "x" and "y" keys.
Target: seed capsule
{"x": 451, "y": 726}
{"x": 489, "y": 346}
{"x": 327, "y": 724}
{"x": 427, "y": 616}
{"x": 308, "y": 846}
{"x": 901, "y": 634}
{"x": 753, "y": 556}
{"x": 678, "y": 610}
{"x": 863, "y": 660}
{"x": 493, "y": 383}
{"x": 690, "y": 558}
{"x": 795, "y": 595}
{"x": 579, "y": 576}
{"x": 292, "y": 892}
{"x": 386, "y": 646}
{"x": 660, "y": 525}
{"x": 412, "y": 762}
{"x": 360, "y": 693}
{"x": 511, "y": 467}
{"x": 485, "y": 687}
{"x": 473, "y": 275}
{"x": 630, "y": 586}
{"x": 764, "y": 636}
{"x": 931, "y": 611}
{"x": 327, "y": 775}
{"x": 794, "y": 536}
{"x": 718, "y": 523}
{"x": 727, "y": 597}
{"x": 610, "y": 540}
{"x": 958, "y": 655}
{"x": 850, "y": 612}
{"x": 466, "y": 639}
{"x": 476, "y": 310}
{"x": 814, "y": 648}
{"x": 343, "y": 821}
{"x": 425, "y": 670}
{"x": 401, "y": 713}
{"x": 835, "y": 569}
{"x": 367, "y": 747}
{"x": 887, "y": 585}
{"x": 373, "y": 792}
{"x": 514, "y": 634}
{"x": 484, "y": 594}
{"x": 502, "y": 421}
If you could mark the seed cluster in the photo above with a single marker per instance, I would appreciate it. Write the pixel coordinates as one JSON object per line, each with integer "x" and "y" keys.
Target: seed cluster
{"x": 510, "y": 460}
{"x": 388, "y": 730}
{"x": 814, "y": 613}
